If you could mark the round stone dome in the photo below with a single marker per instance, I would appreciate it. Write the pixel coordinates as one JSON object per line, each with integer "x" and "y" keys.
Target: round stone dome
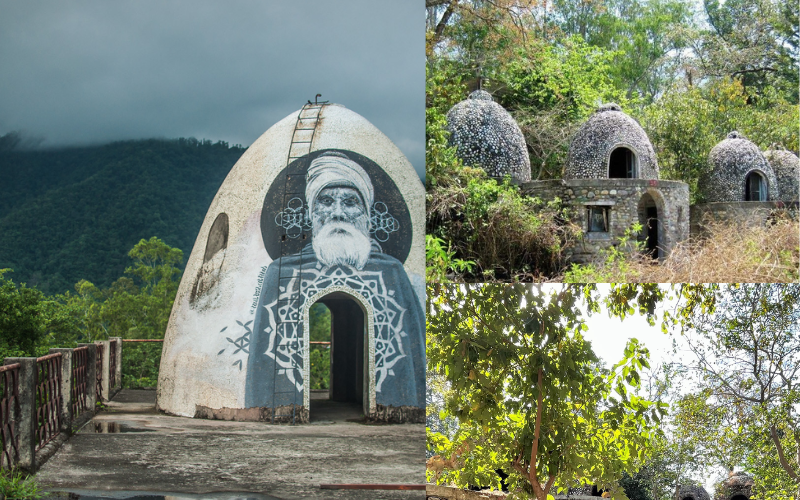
{"x": 486, "y": 135}
{"x": 692, "y": 492}
{"x": 786, "y": 166}
{"x": 738, "y": 172}
{"x": 611, "y": 144}
{"x": 736, "y": 485}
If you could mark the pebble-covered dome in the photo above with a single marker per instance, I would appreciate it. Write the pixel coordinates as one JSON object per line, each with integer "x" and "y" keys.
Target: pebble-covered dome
{"x": 734, "y": 166}
{"x": 611, "y": 144}
{"x": 738, "y": 483}
{"x": 486, "y": 135}
{"x": 786, "y": 166}
{"x": 692, "y": 492}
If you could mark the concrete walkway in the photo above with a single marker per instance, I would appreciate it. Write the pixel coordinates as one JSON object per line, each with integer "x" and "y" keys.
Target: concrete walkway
{"x": 132, "y": 447}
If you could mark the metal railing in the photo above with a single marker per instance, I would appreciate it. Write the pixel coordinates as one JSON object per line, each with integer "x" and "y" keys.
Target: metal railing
{"x": 80, "y": 384}
{"x": 48, "y": 398}
{"x": 112, "y": 362}
{"x": 98, "y": 384}
{"x": 9, "y": 407}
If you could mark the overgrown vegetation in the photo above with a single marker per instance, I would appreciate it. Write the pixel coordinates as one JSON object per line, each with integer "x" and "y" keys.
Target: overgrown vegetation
{"x": 135, "y": 306}
{"x": 513, "y": 386}
{"x": 689, "y": 72}
{"x": 729, "y": 253}
{"x": 16, "y": 485}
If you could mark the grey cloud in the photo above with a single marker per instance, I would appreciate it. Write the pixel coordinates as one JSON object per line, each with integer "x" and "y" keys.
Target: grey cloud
{"x": 93, "y": 71}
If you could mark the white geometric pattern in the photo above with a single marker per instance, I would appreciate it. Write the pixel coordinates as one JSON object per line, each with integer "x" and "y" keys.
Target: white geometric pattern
{"x": 387, "y": 320}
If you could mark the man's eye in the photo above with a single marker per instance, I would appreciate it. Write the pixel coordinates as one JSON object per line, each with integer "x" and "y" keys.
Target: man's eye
{"x": 351, "y": 202}
{"x": 326, "y": 200}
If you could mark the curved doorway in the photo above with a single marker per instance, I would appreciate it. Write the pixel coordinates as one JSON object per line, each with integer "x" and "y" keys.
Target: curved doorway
{"x": 648, "y": 218}
{"x": 622, "y": 164}
{"x": 755, "y": 187}
{"x": 347, "y": 353}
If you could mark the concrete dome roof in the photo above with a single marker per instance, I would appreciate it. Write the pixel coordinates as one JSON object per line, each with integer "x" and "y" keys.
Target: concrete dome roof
{"x": 604, "y": 132}
{"x": 486, "y": 135}
{"x": 786, "y": 166}
{"x": 730, "y": 162}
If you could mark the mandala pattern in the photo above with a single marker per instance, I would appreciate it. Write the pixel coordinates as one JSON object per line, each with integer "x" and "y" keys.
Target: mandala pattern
{"x": 286, "y": 343}
{"x": 294, "y": 219}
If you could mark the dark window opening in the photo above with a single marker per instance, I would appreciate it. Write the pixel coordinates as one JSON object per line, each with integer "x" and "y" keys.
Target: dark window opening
{"x": 622, "y": 164}
{"x": 755, "y": 187}
{"x": 739, "y": 497}
{"x": 217, "y": 237}
{"x": 598, "y": 219}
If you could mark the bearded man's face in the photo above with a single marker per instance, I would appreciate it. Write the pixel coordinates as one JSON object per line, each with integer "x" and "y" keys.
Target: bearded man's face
{"x": 340, "y": 225}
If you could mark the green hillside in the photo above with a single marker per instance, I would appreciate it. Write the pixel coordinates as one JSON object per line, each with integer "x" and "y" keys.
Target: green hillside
{"x": 74, "y": 213}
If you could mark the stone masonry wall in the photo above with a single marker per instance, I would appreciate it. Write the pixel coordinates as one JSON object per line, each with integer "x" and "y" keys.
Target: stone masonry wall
{"x": 622, "y": 197}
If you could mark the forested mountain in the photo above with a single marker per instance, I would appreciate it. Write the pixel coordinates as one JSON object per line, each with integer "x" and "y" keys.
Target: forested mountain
{"x": 74, "y": 213}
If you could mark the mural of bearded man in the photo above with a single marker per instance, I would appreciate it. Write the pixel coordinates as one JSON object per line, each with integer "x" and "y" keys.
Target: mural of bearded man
{"x": 341, "y": 257}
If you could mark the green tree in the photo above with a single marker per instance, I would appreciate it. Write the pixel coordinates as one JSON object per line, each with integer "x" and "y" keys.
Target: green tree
{"x": 22, "y": 322}
{"x": 530, "y": 395}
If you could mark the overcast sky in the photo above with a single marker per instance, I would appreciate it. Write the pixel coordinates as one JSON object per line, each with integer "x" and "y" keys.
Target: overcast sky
{"x": 94, "y": 71}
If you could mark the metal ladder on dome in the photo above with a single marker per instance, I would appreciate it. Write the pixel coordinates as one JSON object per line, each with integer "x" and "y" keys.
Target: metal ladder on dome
{"x": 289, "y": 302}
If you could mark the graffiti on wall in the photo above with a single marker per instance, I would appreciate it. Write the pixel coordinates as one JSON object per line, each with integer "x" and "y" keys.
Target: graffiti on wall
{"x": 333, "y": 220}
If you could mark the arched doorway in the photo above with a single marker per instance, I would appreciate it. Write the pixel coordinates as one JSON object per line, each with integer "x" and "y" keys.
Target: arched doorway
{"x": 622, "y": 164}
{"x": 755, "y": 187}
{"x": 739, "y": 497}
{"x": 649, "y": 219}
{"x": 351, "y": 371}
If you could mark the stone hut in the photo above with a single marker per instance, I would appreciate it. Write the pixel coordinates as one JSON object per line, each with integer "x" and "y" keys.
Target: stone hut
{"x": 739, "y": 186}
{"x": 738, "y": 486}
{"x": 486, "y": 135}
{"x": 611, "y": 145}
{"x": 691, "y": 492}
{"x": 738, "y": 171}
{"x": 611, "y": 180}
{"x": 322, "y": 208}
{"x": 786, "y": 166}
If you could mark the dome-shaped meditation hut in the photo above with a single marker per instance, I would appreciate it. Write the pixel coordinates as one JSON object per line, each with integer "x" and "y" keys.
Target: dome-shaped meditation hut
{"x": 322, "y": 208}
{"x": 738, "y": 486}
{"x": 786, "y": 166}
{"x": 611, "y": 145}
{"x": 692, "y": 492}
{"x": 738, "y": 172}
{"x": 486, "y": 135}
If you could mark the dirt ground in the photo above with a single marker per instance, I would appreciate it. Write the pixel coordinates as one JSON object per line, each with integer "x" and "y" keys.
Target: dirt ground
{"x": 131, "y": 447}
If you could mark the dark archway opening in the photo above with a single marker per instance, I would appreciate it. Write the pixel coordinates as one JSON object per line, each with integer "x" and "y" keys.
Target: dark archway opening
{"x": 648, "y": 218}
{"x": 622, "y": 164}
{"x": 345, "y": 395}
{"x": 597, "y": 492}
{"x": 739, "y": 497}
{"x": 755, "y": 188}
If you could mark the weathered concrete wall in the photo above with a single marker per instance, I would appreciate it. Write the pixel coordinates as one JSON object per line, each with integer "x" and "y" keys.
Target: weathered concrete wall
{"x": 622, "y": 197}
{"x": 207, "y": 352}
{"x": 749, "y": 213}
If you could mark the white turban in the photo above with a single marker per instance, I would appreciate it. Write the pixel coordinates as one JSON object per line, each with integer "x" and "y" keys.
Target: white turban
{"x": 334, "y": 169}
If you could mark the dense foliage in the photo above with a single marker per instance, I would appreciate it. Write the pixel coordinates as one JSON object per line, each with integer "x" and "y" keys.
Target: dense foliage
{"x": 689, "y": 71}
{"x": 530, "y": 396}
{"x": 135, "y": 306}
{"x": 71, "y": 214}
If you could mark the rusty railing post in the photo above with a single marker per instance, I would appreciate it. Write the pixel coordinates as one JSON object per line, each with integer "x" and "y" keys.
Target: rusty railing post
{"x": 25, "y": 418}
{"x": 66, "y": 389}
{"x": 91, "y": 376}
{"x": 105, "y": 392}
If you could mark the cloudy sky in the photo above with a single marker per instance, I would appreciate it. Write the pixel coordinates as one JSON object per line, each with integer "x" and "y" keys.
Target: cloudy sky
{"x": 93, "y": 71}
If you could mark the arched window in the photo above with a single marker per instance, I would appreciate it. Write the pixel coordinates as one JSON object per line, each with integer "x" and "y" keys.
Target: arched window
{"x": 622, "y": 164}
{"x": 755, "y": 187}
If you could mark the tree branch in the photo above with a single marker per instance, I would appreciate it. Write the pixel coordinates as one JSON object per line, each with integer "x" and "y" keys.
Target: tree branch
{"x": 784, "y": 463}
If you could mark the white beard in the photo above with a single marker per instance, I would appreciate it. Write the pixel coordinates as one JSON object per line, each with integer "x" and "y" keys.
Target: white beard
{"x": 334, "y": 247}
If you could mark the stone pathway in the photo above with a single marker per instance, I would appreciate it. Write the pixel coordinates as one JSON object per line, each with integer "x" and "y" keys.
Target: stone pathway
{"x": 132, "y": 447}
